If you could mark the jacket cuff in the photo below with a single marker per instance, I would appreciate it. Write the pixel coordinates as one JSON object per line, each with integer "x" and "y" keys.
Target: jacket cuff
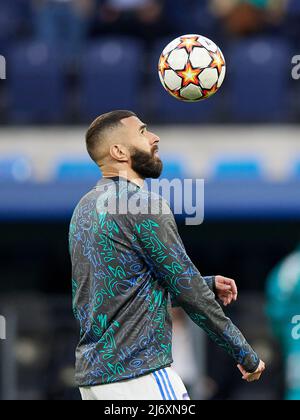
{"x": 211, "y": 282}
{"x": 251, "y": 363}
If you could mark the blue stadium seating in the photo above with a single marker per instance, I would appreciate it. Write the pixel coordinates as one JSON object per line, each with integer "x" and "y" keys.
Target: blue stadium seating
{"x": 258, "y": 80}
{"x": 58, "y": 24}
{"x": 173, "y": 168}
{"x": 13, "y": 14}
{"x": 237, "y": 169}
{"x": 111, "y": 76}
{"x": 293, "y": 7}
{"x": 15, "y": 169}
{"x": 297, "y": 169}
{"x": 36, "y": 84}
{"x": 77, "y": 170}
{"x": 191, "y": 16}
{"x": 84, "y": 170}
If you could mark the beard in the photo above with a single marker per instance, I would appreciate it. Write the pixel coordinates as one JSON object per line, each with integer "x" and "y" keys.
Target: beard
{"x": 146, "y": 165}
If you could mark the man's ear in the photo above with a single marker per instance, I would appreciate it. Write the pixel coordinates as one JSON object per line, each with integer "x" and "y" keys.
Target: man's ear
{"x": 119, "y": 152}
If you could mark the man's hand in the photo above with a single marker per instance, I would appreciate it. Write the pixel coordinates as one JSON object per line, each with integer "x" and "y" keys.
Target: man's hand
{"x": 255, "y": 376}
{"x": 226, "y": 290}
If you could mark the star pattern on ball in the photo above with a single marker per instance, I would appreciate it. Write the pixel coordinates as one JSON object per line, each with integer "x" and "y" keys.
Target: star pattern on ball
{"x": 189, "y": 75}
{"x": 210, "y": 92}
{"x": 218, "y": 61}
{"x": 189, "y": 43}
{"x": 163, "y": 64}
{"x": 175, "y": 93}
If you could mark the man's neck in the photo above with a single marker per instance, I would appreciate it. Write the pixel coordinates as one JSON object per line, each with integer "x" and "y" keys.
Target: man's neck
{"x": 131, "y": 176}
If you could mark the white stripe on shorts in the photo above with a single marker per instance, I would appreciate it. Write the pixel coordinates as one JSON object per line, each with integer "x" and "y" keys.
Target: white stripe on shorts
{"x": 164, "y": 384}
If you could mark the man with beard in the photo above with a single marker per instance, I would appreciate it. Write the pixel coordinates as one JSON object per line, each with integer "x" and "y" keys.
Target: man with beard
{"x": 127, "y": 265}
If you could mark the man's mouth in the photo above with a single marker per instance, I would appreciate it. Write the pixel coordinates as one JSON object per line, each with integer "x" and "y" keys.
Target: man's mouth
{"x": 156, "y": 151}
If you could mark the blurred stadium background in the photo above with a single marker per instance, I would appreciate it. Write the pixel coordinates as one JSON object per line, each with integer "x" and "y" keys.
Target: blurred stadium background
{"x": 71, "y": 60}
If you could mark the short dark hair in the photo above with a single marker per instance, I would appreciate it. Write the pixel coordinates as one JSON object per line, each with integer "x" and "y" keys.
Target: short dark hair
{"x": 100, "y": 125}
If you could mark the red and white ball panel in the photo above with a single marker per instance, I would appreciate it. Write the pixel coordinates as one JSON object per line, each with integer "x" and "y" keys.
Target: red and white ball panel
{"x": 222, "y": 77}
{"x": 172, "y": 80}
{"x": 191, "y": 92}
{"x": 208, "y": 44}
{"x": 178, "y": 59}
{"x": 208, "y": 78}
{"x": 200, "y": 58}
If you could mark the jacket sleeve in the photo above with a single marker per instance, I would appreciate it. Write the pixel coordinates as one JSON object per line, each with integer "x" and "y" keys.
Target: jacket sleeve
{"x": 210, "y": 281}
{"x": 166, "y": 256}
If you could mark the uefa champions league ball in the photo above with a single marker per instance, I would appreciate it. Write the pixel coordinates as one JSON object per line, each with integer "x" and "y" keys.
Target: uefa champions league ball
{"x": 192, "y": 68}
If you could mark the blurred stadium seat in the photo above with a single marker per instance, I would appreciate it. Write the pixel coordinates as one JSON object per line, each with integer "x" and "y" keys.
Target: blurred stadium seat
{"x": 173, "y": 168}
{"x": 237, "y": 169}
{"x": 76, "y": 170}
{"x": 61, "y": 24}
{"x": 290, "y": 24}
{"x": 36, "y": 84}
{"x": 110, "y": 76}
{"x": 297, "y": 169}
{"x": 259, "y": 80}
{"x": 293, "y": 7}
{"x": 190, "y": 16}
{"x": 15, "y": 169}
{"x": 13, "y": 14}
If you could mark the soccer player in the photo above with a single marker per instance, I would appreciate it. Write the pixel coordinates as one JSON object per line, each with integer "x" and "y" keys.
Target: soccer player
{"x": 127, "y": 267}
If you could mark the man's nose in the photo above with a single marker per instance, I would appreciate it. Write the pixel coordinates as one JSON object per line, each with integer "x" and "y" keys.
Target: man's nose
{"x": 155, "y": 138}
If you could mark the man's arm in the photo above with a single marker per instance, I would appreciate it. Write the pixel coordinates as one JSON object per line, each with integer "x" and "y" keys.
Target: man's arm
{"x": 210, "y": 281}
{"x": 164, "y": 252}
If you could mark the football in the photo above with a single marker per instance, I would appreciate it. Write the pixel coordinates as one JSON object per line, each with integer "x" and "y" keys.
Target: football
{"x": 192, "y": 68}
